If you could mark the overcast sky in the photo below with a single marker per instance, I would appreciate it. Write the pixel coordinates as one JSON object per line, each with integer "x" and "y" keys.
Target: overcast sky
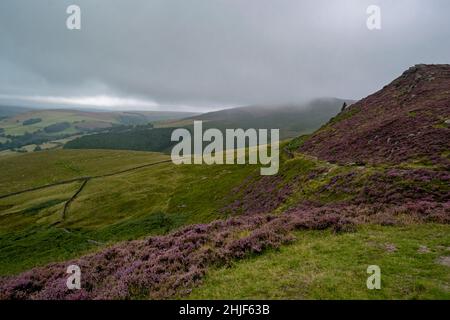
{"x": 209, "y": 54}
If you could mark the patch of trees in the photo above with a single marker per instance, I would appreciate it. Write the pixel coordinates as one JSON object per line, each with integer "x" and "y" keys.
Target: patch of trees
{"x": 122, "y": 128}
{"x": 113, "y": 133}
{"x": 38, "y": 137}
{"x": 57, "y": 127}
{"x": 142, "y": 138}
{"x": 31, "y": 121}
{"x": 132, "y": 119}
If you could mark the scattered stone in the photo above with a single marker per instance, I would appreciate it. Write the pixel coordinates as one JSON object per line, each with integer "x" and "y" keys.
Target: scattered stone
{"x": 445, "y": 261}
{"x": 390, "y": 247}
{"x": 423, "y": 249}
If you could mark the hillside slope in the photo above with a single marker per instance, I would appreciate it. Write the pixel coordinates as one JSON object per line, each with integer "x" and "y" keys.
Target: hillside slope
{"x": 408, "y": 120}
{"x": 255, "y": 214}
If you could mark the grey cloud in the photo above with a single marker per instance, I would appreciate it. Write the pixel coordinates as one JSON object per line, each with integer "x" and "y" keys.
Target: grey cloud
{"x": 207, "y": 53}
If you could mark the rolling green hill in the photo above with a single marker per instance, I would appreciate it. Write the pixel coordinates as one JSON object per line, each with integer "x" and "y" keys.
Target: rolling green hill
{"x": 144, "y": 228}
{"x": 41, "y": 129}
{"x": 81, "y": 120}
{"x": 131, "y": 195}
{"x": 126, "y": 197}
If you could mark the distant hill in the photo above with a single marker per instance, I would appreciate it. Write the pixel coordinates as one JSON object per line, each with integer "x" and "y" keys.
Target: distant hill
{"x": 142, "y": 117}
{"x": 408, "y": 120}
{"x": 82, "y": 120}
{"x": 292, "y": 120}
{"x": 7, "y": 111}
{"x": 31, "y": 127}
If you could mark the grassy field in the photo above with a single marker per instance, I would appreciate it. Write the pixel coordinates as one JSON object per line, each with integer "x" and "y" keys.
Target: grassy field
{"x": 35, "y": 169}
{"x": 324, "y": 265}
{"x": 129, "y": 195}
{"x": 81, "y": 120}
{"x": 118, "y": 206}
{"x": 14, "y": 125}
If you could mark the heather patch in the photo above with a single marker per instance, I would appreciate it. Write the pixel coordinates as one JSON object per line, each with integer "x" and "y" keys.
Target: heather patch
{"x": 165, "y": 266}
{"x": 264, "y": 195}
{"x": 160, "y": 267}
{"x": 402, "y": 122}
{"x": 258, "y": 195}
{"x": 393, "y": 186}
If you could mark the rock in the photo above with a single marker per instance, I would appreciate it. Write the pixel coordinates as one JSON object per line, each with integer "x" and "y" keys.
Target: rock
{"x": 423, "y": 249}
{"x": 390, "y": 247}
{"x": 445, "y": 261}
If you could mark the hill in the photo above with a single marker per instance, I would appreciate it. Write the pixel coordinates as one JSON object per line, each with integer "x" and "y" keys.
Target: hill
{"x": 161, "y": 231}
{"x": 406, "y": 121}
{"x": 38, "y": 127}
{"x": 292, "y": 120}
{"x": 7, "y": 111}
{"x": 81, "y": 120}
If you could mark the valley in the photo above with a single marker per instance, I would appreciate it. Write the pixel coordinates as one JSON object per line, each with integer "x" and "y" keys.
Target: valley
{"x": 354, "y": 193}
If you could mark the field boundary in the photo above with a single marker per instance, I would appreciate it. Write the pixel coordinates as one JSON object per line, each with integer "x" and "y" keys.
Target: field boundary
{"x": 68, "y": 202}
{"x": 85, "y": 178}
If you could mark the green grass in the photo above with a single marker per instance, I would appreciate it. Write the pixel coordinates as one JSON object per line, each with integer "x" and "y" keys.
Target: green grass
{"x": 155, "y": 200}
{"x": 130, "y": 205}
{"x": 38, "y": 245}
{"x": 323, "y": 265}
{"x": 14, "y": 125}
{"x": 25, "y": 171}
